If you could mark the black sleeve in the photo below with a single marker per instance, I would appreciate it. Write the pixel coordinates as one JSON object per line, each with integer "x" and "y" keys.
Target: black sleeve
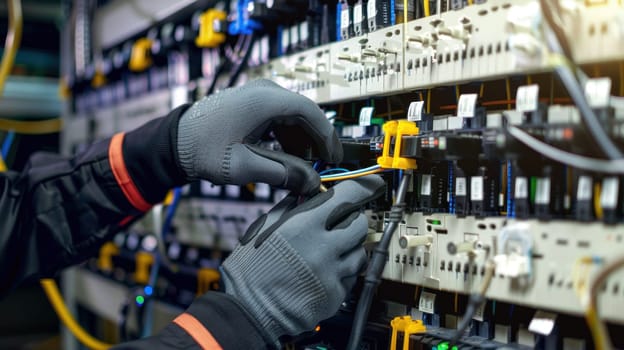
{"x": 59, "y": 211}
{"x": 221, "y": 316}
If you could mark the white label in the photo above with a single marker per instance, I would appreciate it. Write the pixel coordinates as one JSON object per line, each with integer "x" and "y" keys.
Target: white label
{"x": 294, "y": 35}
{"x": 303, "y": 31}
{"x": 466, "y": 105}
{"x": 414, "y": 112}
{"x": 366, "y": 115}
{"x": 357, "y": 13}
{"x": 179, "y": 96}
{"x": 371, "y": 9}
{"x": 521, "y": 188}
{"x": 426, "y": 303}
{"x": 584, "y": 190}
{"x": 208, "y": 189}
{"x": 425, "y": 186}
{"x": 543, "y": 323}
{"x": 285, "y": 40}
{"x": 455, "y": 123}
{"x": 478, "y": 315}
{"x": 232, "y": 191}
{"x": 460, "y": 186}
{"x": 609, "y": 194}
{"x": 598, "y": 92}
{"x": 542, "y": 191}
{"x": 265, "y": 49}
{"x": 344, "y": 17}
{"x": 262, "y": 191}
{"x": 527, "y": 98}
{"x": 476, "y": 188}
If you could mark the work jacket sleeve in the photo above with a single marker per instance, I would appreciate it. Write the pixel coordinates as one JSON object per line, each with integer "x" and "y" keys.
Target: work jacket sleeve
{"x": 214, "y": 321}
{"x": 59, "y": 211}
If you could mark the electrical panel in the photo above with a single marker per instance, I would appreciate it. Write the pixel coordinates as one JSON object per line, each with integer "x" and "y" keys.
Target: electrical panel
{"x": 504, "y": 168}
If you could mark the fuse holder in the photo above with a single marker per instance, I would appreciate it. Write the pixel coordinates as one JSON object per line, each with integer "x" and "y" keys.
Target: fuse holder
{"x": 143, "y": 262}
{"x": 209, "y": 36}
{"x": 207, "y": 278}
{"x": 105, "y": 259}
{"x": 140, "y": 57}
{"x": 396, "y": 129}
{"x": 406, "y": 325}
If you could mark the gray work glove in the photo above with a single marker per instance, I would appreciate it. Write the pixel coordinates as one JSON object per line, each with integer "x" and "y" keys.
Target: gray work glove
{"x": 295, "y": 265}
{"x": 217, "y": 137}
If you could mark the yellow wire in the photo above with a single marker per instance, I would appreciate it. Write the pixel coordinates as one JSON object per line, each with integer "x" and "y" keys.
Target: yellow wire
{"x": 622, "y": 79}
{"x": 469, "y": 2}
{"x": 597, "y": 206}
{"x": 508, "y": 91}
{"x": 52, "y": 291}
{"x": 597, "y": 329}
{"x": 426, "y": 8}
{"x": 3, "y": 166}
{"x": 481, "y": 89}
{"x": 48, "y": 126}
{"x": 404, "y": 13}
{"x": 529, "y": 80}
{"x": 429, "y": 101}
{"x": 12, "y": 42}
{"x": 353, "y": 176}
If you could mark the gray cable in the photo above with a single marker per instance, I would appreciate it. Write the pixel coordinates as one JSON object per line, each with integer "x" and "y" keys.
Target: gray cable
{"x": 552, "y": 34}
{"x": 567, "y": 158}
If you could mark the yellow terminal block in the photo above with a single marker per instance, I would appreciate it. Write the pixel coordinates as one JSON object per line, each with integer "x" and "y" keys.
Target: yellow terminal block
{"x": 143, "y": 261}
{"x": 207, "y": 278}
{"x": 99, "y": 79}
{"x": 208, "y": 37}
{"x": 395, "y": 130}
{"x": 406, "y": 325}
{"x": 140, "y": 57}
{"x": 105, "y": 259}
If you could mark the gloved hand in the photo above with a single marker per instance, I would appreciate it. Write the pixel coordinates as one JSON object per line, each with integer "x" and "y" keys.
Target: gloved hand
{"x": 217, "y": 136}
{"x": 295, "y": 265}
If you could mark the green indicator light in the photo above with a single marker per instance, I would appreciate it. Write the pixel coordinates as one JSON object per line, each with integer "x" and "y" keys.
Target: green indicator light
{"x": 321, "y": 348}
{"x": 436, "y": 222}
{"x": 443, "y": 346}
{"x": 140, "y": 300}
{"x": 454, "y": 347}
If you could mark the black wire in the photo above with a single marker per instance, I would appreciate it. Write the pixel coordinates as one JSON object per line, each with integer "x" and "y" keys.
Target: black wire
{"x": 243, "y": 64}
{"x": 218, "y": 72}
{"x": 474, "y": 303}
{"x": 376, "y": 266}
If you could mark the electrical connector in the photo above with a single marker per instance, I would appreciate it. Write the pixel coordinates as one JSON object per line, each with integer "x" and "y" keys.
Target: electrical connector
{"x": 391, "y": 157}
{"x": 211, "y": 34}
{"x": 407, "y": 326}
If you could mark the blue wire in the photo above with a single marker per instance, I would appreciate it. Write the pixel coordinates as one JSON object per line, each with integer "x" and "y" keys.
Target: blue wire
{"x": 317, "y": 165}
{"x": 6, "y": 145}
{"x": 147, "y": 326}
{"x": 355, "y": 172}
{"x": 333, "y": 170}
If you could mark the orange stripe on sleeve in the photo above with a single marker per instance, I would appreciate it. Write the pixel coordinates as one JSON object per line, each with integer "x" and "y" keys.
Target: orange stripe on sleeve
{"x": 115, "y": 157}
{"x": 197, "y": 331}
